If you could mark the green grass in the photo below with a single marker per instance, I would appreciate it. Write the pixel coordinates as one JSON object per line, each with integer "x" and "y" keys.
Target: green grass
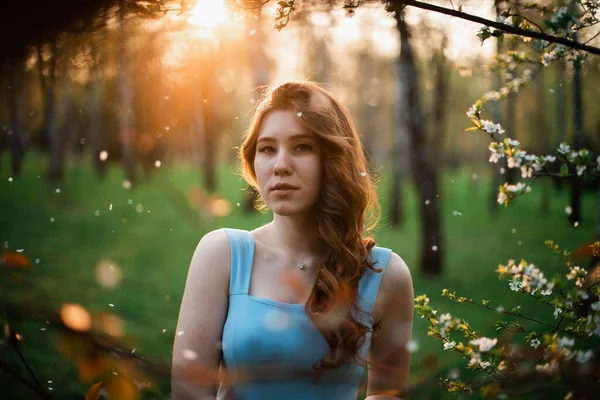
{"x": 153, "y": 250}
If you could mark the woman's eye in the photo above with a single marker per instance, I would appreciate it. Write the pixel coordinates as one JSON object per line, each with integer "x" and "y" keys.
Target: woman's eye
{"x": 266, "y": 149}
{"x": 304, "y": 147}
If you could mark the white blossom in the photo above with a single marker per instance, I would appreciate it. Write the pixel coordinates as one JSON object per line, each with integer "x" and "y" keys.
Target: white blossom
{"x": 580, "y": 169}
{"x": 502, "y": 198}
{"x": 565, "y": 342}
{"x": 485, "y": 344}
{"x": 582, "y": 357}
{"x": 515, "y": 286}
{"x": 564, "y": 148}
{"x": 557, "y": 310}
{"x": 445, "y": 318}
{"x": 484, "y": 364}
{"x": 475, "y": 358}
{"x": 583, "y": 295}
{"x": 491, "y": 127}
{"x": 513, "y": 142}
{"x": 526, "y": 172}
{"x": 534, "y": 343}
{"x": 515, "y": 188}
{"x": 449, "y": 345}
{"x": 472, "y": 111}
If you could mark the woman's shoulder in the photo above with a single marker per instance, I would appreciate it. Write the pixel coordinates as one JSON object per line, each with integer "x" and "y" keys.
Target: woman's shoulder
{"x": 215, "y": 240}
{"x": 396, "y": 292}
{"x": 396, "y": 272}
{"x": 212, "y": 249}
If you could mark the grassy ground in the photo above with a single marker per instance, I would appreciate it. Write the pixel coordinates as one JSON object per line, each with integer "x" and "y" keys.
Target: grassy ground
{"x": 151, "y": 231}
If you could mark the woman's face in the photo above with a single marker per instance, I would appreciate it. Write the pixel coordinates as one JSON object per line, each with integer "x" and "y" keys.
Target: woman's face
{"x": 287, "y": 164}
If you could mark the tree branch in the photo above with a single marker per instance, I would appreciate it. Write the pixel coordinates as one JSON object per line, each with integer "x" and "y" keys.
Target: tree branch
{"x": 503, "y": 27}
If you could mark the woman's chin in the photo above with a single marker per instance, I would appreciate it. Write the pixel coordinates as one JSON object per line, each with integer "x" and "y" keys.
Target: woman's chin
{"x": 288, "y": 210}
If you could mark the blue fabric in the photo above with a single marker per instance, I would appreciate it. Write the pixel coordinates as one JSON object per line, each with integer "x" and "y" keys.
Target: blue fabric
{"x": 274, "y": 345}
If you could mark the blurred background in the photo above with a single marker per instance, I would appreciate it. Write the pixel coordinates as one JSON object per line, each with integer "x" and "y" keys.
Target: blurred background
{"x": 118, "y": 135}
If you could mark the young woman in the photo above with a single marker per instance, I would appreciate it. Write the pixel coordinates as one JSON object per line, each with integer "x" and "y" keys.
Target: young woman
{"x": 297, "y": 308}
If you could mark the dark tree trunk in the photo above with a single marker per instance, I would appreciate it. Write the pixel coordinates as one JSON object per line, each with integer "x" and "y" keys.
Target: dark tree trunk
{"x": 496, "y": 176}
{"x": 510, "y": 124}
{"x": 423, "y": 170}
{"x": 261, "y": 78}
{"x": 53, "y": 134}
{"x": 401, "y": 142}
{"x": 440, "y": 103}
{"x": 561, "y": 119}
{"x": 368, "y": 102}
{"x": 578, "y": 140}
{"x": 125, "y": 112}
{"x": 15, "y": 134}
{"x": 210, "y": 140}
{"x": 95, "y": 112}
{"x": 577, "y": 145}
{"x": 541, "y": 125}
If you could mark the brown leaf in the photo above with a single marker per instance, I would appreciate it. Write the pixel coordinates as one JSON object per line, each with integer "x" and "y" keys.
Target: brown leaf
{"x": 15, "y": 259}
{"x": 120, "y": 387}
{"x": 92, "y": 366}
{"x": 582, "y": 252}
{"x": 94, "y": 392}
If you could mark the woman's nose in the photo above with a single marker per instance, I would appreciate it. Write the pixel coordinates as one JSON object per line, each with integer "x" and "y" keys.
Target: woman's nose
{"x": 282, "y": 163}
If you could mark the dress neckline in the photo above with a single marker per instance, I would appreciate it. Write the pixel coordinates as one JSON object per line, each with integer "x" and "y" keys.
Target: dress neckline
{"x": 265, "y": 300}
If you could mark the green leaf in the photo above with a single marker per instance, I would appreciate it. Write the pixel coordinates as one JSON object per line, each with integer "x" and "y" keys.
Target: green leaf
{"x": 473, "y": 128}
{"x": 564, "y": 170}
{"x": 501, "y": 38}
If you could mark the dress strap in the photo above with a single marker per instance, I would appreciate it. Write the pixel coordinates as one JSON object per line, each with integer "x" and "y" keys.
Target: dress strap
{"x": 242, "y": 256}
{"x": 368, "y": 285}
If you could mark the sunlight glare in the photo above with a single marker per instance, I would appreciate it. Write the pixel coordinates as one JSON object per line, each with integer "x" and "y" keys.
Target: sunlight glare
{"x": 208, "y": 14}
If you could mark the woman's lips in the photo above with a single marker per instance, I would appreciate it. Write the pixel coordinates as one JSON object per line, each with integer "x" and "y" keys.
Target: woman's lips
{"x": 283, "y": 191}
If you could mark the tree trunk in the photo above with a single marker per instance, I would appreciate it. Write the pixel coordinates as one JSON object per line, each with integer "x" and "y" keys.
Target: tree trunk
{"x": 16, "y": 141}
{"x": 95, "y": 112}
{"x": 541, "y": 125}
{"x": 125, "y": 113}
{"x": 261, "y": 78}
{"x": 578, "y": 140}
{"x": 53, "y": 134}
{"x": 209, "y": 129}
{"x": 400, "y": 144}
{"x": 424, "y": 173}
{"x": 561, "y": 119}
{"x": 440, "y": 103}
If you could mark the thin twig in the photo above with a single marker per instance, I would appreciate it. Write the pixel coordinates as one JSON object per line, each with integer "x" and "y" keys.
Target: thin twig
{"x": 501, "y": 26}
{"x": 24, "y": 381}
{"x": 532, "y": 320}
{"x": 35, "y": 379}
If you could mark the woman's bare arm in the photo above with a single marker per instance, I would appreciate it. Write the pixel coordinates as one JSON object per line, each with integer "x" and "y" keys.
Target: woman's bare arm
{"x": 197, "y": 347}
{"x": 389, "y": 358}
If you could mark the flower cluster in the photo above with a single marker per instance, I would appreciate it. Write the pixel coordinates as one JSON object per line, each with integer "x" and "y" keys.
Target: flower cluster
{"x": 580, "y": 163}
{"x": 568, "y": 342}
{"x": 525, "y": 277}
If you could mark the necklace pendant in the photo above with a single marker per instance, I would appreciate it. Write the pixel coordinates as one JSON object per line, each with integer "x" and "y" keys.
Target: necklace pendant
{"x": 301, "y": 265}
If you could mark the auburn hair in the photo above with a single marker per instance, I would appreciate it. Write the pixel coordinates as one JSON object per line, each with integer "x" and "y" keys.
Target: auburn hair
{"x": 345, "y": 214}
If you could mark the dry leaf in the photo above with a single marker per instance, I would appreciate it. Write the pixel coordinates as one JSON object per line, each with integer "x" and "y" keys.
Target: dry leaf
{"x": 120, "y": 387}
{"x": 15, "y": 259}
{"x": 94, "y": 392}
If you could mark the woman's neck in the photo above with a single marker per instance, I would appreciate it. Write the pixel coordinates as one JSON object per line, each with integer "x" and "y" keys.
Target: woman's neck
{"x": 296, "y": 237}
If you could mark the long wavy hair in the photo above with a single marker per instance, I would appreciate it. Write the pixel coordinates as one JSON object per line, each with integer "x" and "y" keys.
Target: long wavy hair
{"x": 346, "y": 212}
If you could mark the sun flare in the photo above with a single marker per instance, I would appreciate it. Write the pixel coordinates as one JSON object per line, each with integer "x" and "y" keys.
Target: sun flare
{"x": 208, "y": 14}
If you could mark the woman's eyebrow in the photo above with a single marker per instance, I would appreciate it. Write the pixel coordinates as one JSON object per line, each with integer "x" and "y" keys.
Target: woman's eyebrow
{"x": 293, "y": 137}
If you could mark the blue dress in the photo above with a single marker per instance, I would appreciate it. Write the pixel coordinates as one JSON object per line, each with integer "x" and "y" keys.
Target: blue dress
{"x": 273, "y": 345}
